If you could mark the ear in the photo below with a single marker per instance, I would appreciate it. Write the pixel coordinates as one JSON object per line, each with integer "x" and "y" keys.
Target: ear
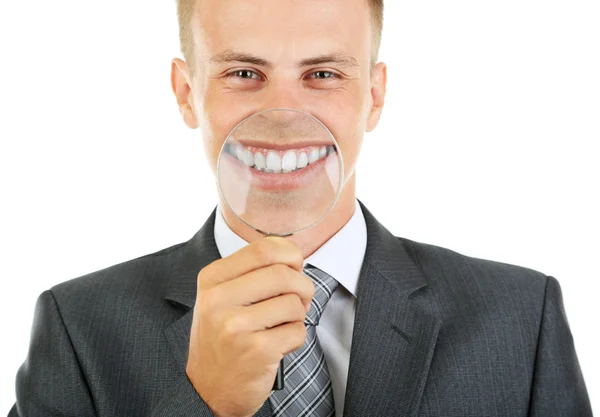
{"x": 181, "y": 86}
{"x": 378, "y": 84}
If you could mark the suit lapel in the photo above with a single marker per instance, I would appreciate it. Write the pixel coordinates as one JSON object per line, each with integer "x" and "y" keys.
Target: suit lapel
{"x": 395, "y": 330}
{"x": 200, "y": 251}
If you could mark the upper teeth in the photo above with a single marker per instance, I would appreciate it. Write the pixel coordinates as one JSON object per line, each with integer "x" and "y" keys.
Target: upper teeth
{"x": 273, "y": 162}
{"x": 277, "y": 162}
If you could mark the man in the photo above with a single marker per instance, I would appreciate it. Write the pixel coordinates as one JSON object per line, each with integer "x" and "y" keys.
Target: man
{"x": 199, "y": 329}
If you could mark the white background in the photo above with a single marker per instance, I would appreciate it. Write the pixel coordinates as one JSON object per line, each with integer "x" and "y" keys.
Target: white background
{"x": 488, "y": 145}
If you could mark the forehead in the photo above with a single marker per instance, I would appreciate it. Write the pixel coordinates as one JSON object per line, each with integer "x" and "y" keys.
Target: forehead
{"x": 280, "y": 28}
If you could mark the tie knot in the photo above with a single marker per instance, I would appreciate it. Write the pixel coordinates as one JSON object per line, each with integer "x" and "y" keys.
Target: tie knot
{"x": 325, "y": 285}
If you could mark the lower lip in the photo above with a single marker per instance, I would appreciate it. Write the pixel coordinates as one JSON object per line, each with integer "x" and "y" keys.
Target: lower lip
{"x": 278, "y": 182}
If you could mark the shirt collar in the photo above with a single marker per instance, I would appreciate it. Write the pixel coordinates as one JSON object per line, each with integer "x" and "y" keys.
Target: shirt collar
{"x": 341, "y": 256}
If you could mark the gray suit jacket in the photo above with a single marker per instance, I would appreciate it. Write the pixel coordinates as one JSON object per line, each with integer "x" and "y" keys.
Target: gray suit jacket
{"x": 436, "y": 333}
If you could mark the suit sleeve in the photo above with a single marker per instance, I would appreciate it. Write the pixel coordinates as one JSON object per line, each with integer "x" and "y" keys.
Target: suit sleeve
{"x": 50, "y": 381}
{"x": 182, "y": 401}
{"x": 558, "y": 388}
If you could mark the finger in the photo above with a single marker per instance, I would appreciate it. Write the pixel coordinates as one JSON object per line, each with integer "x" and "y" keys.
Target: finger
{"x": 271, "y": 313}
{"x": 268, "y": 282}
{"x": 263, "y": 252}
{"x": 286, "y": 337}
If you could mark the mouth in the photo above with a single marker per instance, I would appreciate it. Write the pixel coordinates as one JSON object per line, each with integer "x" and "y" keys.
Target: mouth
{"x": 314, "y": 168}
{"x": 276, "y": 160}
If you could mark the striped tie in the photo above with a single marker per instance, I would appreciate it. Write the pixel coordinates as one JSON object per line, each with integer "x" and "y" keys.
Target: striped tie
{"x": 307, "y": 390}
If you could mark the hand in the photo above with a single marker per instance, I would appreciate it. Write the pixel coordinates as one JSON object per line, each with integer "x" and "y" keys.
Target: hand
{"x": 249, "y": 313}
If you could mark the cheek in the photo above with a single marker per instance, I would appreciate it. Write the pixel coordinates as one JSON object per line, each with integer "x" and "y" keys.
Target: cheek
{"x": 345, "y": 118}
{"x": 220, "y": 115}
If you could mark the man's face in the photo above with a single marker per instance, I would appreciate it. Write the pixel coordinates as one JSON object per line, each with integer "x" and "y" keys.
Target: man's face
{"x": 287, "y": 39}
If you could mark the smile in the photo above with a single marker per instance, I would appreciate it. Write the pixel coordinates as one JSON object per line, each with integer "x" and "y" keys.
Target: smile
{"x": 278, "y": 161}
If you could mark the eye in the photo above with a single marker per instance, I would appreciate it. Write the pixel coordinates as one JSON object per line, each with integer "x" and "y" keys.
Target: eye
{"x": 321, "y": 75}
{"x": 244, "y": 74}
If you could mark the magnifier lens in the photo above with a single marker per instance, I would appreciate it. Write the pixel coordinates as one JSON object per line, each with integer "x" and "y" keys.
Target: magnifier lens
{"x": 280, "y": 171}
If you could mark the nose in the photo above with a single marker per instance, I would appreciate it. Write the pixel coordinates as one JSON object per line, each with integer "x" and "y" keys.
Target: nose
{"x": 282, "y": 93}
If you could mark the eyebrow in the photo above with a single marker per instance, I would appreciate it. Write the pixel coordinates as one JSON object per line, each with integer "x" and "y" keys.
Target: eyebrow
{"x": 229, "y": 56}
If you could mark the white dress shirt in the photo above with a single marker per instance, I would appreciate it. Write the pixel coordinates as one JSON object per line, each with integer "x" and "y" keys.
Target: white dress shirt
{"x": 341, "y": 257}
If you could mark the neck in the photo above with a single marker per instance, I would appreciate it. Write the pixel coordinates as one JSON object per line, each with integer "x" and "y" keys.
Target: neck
{"x": 314, "y": 237}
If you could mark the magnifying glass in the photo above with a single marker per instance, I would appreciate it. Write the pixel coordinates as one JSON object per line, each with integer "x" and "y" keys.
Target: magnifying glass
{"x": 280, "y": 171}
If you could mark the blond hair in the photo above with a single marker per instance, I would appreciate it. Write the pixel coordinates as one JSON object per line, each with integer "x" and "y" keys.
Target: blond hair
{"x": 185, "y": 11}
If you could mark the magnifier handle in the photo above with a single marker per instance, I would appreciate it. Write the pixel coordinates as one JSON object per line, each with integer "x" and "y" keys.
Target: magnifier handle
{"x": 278, "y": 384}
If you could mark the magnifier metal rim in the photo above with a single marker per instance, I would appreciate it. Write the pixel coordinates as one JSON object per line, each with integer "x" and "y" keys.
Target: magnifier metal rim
{"x": 340, "y": 157}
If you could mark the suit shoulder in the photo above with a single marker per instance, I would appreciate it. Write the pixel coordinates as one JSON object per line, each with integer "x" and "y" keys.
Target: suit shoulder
{"x": 444, "y": 266}
{"x": 122, "y": 278}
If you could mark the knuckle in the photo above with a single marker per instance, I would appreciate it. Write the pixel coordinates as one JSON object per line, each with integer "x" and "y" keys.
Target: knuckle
{"x": 259, "y": 343}
{"x": 209, "y": 270}
{"x": 294, "y": 302}
{"x": 299, "y": 333}
{"x": 202, "y": 307}
{"x": 300, "y": 311}
{"x": 232, "y": 325}
{"x": 264, "y": 250}
{"x": 279, "y": 271}
{"x": 201, "y": 277}
{"x": 293, "y": 252}
{"x": 205, "y": 274}
{"x": 301, "y": 328}
{"x": 288, "y": 300}
{"x": 297, "y": 256}
{"x": 214, "y": 295}
{"x": 293, "y": 307}
{"x": 310, "y": 286}
{"x": 208, "y": 300}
